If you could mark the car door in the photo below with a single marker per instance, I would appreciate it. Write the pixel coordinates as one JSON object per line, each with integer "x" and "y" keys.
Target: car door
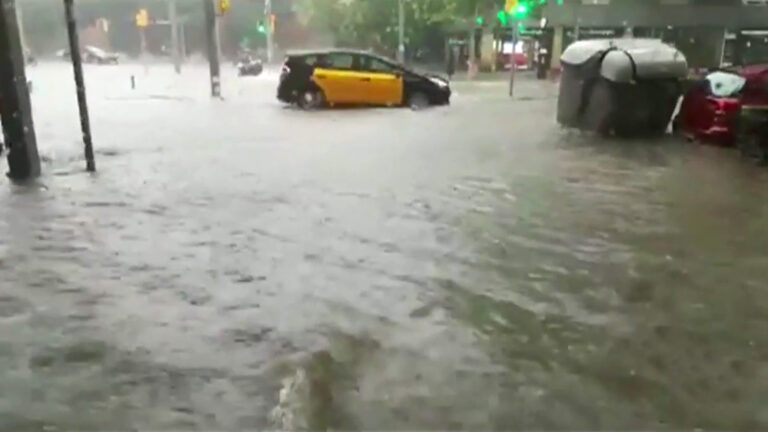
{"x": 335, "y": 74}
{"x": 385, "y": 81}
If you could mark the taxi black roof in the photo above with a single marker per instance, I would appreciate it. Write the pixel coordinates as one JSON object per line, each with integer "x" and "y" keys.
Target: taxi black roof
{"x": 304, "y": 53}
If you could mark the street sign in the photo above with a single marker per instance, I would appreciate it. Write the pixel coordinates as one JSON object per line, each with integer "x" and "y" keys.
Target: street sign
{"x": 142, "y": 18}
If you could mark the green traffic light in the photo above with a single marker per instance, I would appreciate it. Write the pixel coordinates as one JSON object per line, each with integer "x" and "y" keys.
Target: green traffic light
{"x": 479, "y": 20}
{"x": 261, "y": 29}
{"x": 502, "y": 16}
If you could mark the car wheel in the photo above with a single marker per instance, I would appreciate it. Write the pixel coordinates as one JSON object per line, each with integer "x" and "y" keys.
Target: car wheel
{"x": 311, "y": 99}
{"x": 418, "y": 100}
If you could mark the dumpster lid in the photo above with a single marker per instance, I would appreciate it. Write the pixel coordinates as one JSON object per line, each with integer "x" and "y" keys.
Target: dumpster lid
{"x": 581, "y": 51}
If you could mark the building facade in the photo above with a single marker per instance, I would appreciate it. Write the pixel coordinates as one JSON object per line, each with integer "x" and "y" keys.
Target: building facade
{"x": 711, "y": 33}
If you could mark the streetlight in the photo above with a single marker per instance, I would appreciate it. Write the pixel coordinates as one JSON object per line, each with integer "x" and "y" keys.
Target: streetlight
{"x": 401, "y": 31}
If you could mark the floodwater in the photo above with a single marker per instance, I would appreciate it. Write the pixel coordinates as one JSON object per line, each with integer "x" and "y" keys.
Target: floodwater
{"x": 235, "y": 264}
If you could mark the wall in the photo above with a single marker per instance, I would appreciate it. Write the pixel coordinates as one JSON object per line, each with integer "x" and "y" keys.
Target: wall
{"x": 649, "y": 13}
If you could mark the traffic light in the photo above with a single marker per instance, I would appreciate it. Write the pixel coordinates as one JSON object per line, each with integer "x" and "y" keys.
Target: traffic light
{"x": 142, "y": 18}
{"x": 261, "y": 28}
{"x": 503, "y": 18}
{"x": 522, "y": 10}
{"x": 224, "y": 6}
{"x": 479, "y": 20}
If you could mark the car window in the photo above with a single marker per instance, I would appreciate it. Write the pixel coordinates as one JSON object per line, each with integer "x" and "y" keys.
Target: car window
{"x": 376, "y": 65}
{"x": 339, "y": 61}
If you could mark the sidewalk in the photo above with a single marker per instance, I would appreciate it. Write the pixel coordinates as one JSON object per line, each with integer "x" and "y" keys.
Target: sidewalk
{"x": 527, "y": 87}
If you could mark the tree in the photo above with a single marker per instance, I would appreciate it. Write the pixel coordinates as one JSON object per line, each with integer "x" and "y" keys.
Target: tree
{"x": 374, "y": 23}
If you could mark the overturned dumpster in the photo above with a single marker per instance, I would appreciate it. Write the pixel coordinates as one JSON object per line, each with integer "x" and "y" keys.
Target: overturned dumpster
{"x": 626, "y": 87}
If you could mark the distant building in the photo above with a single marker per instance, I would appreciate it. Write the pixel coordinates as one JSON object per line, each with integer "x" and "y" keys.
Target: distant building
{"x": 711, "y": 33}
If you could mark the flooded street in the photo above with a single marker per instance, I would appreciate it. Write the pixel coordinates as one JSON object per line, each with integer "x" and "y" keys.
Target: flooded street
{"x": 237, "y": 264}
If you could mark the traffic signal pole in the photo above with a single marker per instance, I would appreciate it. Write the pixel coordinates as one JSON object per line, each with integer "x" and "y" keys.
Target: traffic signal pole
{"x": 213, "y": 52}
{"x": 513, "y": 66}
{"x": 174, "y": 19}
{"x": 15, "y": 106}
{"x": 77, "y": 66}
{"x": 270, "y": 30}
{"x": 400, "y": 31}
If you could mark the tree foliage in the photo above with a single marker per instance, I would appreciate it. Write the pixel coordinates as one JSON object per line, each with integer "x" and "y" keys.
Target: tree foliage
{"x": 374, "y": 23}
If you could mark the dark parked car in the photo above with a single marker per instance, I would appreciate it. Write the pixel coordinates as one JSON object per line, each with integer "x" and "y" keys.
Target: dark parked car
{"x": 92, "y": 54}
{"x": 346, "y": 77}
{"x": 249, "y": 66}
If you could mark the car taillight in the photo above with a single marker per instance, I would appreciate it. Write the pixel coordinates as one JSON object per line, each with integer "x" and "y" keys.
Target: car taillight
{"x": 724, "y": 109}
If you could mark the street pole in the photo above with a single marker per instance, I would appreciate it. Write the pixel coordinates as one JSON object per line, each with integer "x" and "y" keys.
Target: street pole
{"x": 173, "y": 17}
{"x": 213, "y": 53}
{"x": 77, "y": 66}
{"x": 400, "y": 31}
{"x": 473, "y": 44}
{"x": 15, "y": 107}
{"x": 183, "y": 41}
{"x": 513, "y": 66}
{"x": 270, "y": 36}
{"x": 22, "y": 36}
{"x": 144, "y": 60}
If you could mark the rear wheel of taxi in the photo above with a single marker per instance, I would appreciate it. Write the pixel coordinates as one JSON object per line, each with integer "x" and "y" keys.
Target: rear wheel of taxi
{"x": 311, "y": 99}
{"x": 418, "y": 100}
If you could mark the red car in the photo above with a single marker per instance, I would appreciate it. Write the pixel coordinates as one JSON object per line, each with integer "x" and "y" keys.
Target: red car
{"x": 711, "y": 108}
{"x": 521, "y": 60}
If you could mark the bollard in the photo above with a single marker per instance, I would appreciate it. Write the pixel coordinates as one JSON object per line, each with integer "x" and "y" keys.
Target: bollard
{"x": 133, "y": 82}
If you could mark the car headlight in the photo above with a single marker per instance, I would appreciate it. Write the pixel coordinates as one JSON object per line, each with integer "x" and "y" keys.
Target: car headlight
{"x": 440, "y": 83}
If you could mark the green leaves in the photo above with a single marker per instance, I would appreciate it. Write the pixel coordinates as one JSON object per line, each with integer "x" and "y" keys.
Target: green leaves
{"x": 373, "y": 23}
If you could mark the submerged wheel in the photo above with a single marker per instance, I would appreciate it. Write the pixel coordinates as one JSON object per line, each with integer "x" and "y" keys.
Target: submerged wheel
{"x": 418, "y": 100}
{"x": 311, "y": 99}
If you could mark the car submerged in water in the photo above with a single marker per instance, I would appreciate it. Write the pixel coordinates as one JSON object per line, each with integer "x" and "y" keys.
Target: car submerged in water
{"x": 346, "y": 77}
{"x": 728, "y": 108}
{"x": 92, "y": 54}
{"x": 624, "y": 87}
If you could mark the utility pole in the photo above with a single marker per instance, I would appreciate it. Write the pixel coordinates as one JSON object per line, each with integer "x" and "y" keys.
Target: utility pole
{"x": 213, "y": 53}
{"x": 473, "y": 42}
{"x": 22, "y": 35}
{"x": 174, "y": 19}
{"x": 15, "y": 107}
{"x": 400, "y": 31}
{"x": 142, "y": 21}
{"x": 513, "y": 66}
{"x": 77, "y": 65}
{"x": 270, "y": 36}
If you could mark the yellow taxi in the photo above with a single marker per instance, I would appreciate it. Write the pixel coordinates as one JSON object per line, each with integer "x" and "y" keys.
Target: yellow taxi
{"x": 346, "y": 77}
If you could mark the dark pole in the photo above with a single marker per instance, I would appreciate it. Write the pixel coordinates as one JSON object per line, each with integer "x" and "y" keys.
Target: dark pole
{"x": 15, "y": 107}
{"x": 77, "y": 66}
{"x": 213, "y": 51}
